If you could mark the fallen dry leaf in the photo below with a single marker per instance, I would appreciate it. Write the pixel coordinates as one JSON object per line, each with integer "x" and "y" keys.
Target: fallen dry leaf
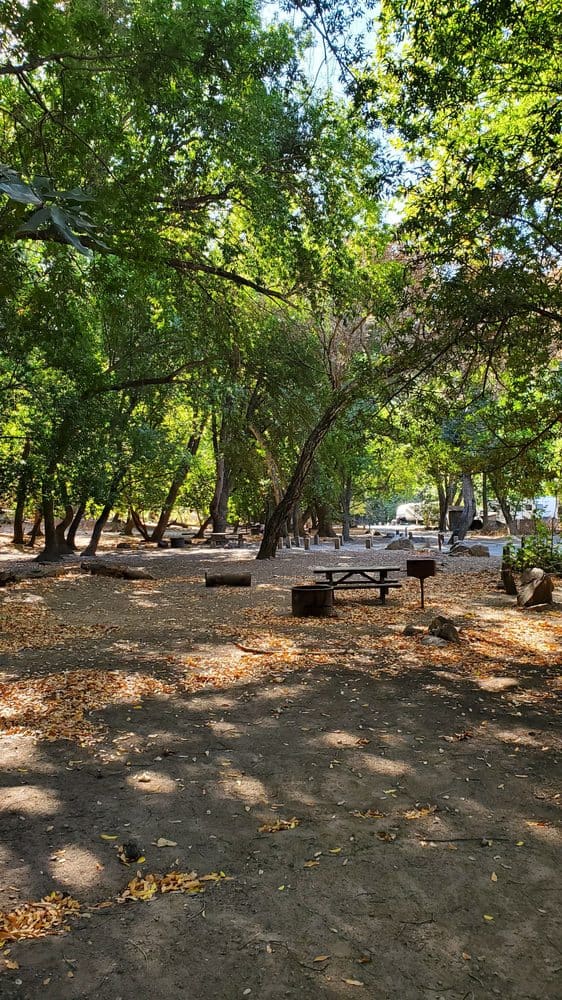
{"x": 280, "y": 824}
{"x": 321, "y": 958}
{"x": 34, "y": 920}
{"x": 162, "y": 842}
{"x": 353, "y": 982}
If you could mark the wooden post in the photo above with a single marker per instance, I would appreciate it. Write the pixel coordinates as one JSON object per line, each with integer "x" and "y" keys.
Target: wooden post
{"x": 317, "y": 539}
{"x": 240, "y": 540}
{"x": 306, "y": 543}
{"x": 337, "y": 542}
{"x": 287, "y": 542}
{"x": 279, "y": 543}
{"x": 368, "y": 543}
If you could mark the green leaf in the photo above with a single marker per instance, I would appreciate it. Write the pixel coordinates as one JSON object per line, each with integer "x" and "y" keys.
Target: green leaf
{"x": 18, "y": 191}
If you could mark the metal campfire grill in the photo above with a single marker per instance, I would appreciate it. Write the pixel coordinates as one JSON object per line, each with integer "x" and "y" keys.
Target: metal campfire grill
{"x": 420, "y": 568}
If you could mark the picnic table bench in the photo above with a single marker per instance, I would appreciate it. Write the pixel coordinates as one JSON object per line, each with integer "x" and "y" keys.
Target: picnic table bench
{"x": 360, "y": 578}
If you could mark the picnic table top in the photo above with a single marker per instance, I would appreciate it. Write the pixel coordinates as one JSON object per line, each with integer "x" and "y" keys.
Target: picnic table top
{"x": 356, "y": 569}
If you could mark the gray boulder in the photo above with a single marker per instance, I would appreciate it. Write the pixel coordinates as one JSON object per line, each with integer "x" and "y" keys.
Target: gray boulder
{"x": 400, "y": 543}
{"x": 433, "y": 640}
{"x": 536, "y": 588}
{"x": 444, "y": 628}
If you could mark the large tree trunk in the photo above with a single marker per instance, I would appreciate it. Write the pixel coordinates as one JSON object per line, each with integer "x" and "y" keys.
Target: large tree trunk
{"x": 50, "y": 552}
{"x": 176, "y": 485}
{"x": 324, "y": 521}
{"x": 469, "y": 507}
{"x": 21, "y": 494}
{"x": 219, "y": 503}
{"x": 346, "y": 498}
{"x": 274, "y": 526}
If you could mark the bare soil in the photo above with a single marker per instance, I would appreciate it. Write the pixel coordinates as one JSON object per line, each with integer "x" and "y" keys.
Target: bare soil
{"x": 146, "y": 710}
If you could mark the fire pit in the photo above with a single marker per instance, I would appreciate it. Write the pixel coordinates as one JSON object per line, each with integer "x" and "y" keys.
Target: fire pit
{"x": 421, "y": 569}
{"x": 312, "y": 600}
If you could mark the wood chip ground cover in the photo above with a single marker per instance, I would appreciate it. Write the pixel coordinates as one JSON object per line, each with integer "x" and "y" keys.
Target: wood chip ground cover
{"x": 424, "y": 782}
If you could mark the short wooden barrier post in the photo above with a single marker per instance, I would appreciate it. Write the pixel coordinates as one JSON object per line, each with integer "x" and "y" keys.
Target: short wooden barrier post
{"x": 306, "y": 543}
{"x": 368, "y": 543}
{"x": 337, "y": 542}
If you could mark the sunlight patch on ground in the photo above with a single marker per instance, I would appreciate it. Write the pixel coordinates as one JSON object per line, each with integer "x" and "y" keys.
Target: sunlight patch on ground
{"x": 32, "y": 800}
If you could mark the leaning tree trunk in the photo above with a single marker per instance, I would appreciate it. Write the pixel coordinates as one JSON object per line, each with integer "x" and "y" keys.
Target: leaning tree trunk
{"x": 36, "y": 527}
{"x": 203, "y": 527}
{"x": 102, "y": 520}
{"x": 21, "y": 494}
{"x": 175, "y": 487}
{"x": 469, "y": 507}
{"x": 505, "y": 508}
{"x": 274, "y": 526}
{"x": 71, "y": 533}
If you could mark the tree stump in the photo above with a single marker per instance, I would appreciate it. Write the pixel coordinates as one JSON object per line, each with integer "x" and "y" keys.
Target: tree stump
{"x": 313, "y": 600}
{"x": 508, "y": 580}
{"x": 536, "y": 588}
{"x": 228, "y": 579}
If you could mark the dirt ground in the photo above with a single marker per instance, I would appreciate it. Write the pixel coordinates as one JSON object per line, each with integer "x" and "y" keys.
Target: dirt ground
{"x": 417, "y": 787}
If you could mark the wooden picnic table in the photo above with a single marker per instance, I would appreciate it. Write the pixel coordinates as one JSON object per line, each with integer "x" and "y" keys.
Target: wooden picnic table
{"x": 360, "y": 578}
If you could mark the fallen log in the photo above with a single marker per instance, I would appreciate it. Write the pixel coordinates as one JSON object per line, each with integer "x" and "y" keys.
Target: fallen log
{"x": 115, "y": 570}
{"x": 228, "y": 579}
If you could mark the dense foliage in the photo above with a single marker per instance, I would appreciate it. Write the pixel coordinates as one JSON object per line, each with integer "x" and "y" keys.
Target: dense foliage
{"x": 205, "y": 305}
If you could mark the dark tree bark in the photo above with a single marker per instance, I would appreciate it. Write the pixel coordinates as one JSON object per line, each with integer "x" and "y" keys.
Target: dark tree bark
{"x": 469, "y": 507}
{"x": 102, "y": 520}
{"x": 60, "y": 530}
{"x": 21, "y": 494}
{"x": 274, "y": 526}
{"x": 203, "y": 528}
{"x": 36, "y": 528}
{"x": 446, "y": 489}
{"x": 324, "y": 521}
{"x": 140, "y": 525}
{"x": 100, "y": 524}
{"x": 71, "y": 533}
{"x": 50, "y": 552}
{"x": 346, "y": 498}
{"x": 176, "y": 485}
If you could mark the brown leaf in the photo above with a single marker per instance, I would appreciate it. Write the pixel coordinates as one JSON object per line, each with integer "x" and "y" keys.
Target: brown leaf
{"x": 280, "y": 824}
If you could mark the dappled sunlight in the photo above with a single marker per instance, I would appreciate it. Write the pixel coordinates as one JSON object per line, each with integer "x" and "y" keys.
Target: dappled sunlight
{"x": 152, "y": 783}
{"x": 246, "y": 789}
{"x": 75, "y": 867}
{"x": 32, "y": 800}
